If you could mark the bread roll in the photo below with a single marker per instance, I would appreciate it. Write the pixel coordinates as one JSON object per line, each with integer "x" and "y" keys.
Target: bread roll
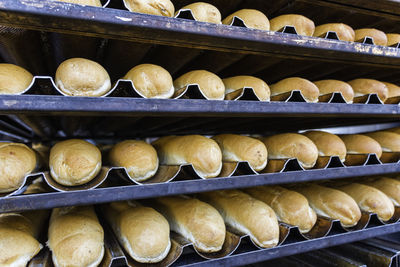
{"x": 14, "y": 79}
{"x": 290, "y": 207}
{"x": 389, "y": 141}
{"x": 331, "y": 203}
{"x": 392, "y": 39}
{"x": 246, "y": 215}
{"x": 369, "y": 86}
{"x": 76, "y": 238}
{"x": 393, "y": 90}
{"x": 204, "y": 153}
{"x": 394, "y": 130}
{"x": 378, "y": 36}
{"x": 139, "y": 158}
{"x": 303, "y": 25}
{"x": 151, "y": 81}
{"x": 142, "y": 231}
{"x": 82, "y": 77}
{"x": 16, "y": 161}
{"x": 328, "y": 144}
{"x": 291, "y": 145}
{"x": 204, "y": 12}
{"x": 389, "y": 186}
{"x": 335, "y": 86}
{"x": 309, "y": 90}
{"x": 83, "y": 2}
{"x": 242, "y": 148}
{"x": 74, "y": 162}
{"x": 153, "y": 7}
{"x": 195, "y": 220}
{"x": 252, "y": 19}
{"x": 210, "y": 84}
{"x": 361, "y": 144}
{"x": 370, "y": 199}
{"x": 261, "y": 88}
{"x": 343, "y": 31}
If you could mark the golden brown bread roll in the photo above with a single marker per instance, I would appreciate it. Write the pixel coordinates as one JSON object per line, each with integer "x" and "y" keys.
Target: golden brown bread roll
{"x": 394, "y": 130}
{"x": 236, "y": 148}
{"x": 290, "y": 207}
{"x": 369, "y": 86}
{"x": 331, "y": 203}
{"x": 74, "y": 162}
{"x": 343, "y": 31}
{"x": 303, "y": 25}
{"x": 204, "y": 12}
{"x": 252, "y": 19}
{"x": 246, "y": 215}
{"x": 153, "y": 7}
{"x": 210, "y": 84}
{"x": 361, "y": 144}
{"x": 14, "y": 79}
{"x": 393, "y": 90}
{"x": 202, "y": 152}
{"x": 142, "y": 231}
{"x": 392, "y": 39}
{"x": 309, "y": 90}
{"x": 195, "y": 220}
{"x": 291, "y": 145}
{"x": 389, "y": 186}
{"x": 76, "y": 238}
{"x": 83, "y": 2}
{"x": 335, "y": 86}
{"x": 370, "y": 199}
{"x": 389, "y": 141}
{"x": 82, "y": 77}
{"x": 139, "y": 158}
{"x": 328, "y": 144}
{"x": 261, "y": 88}
{"x": 151, "y": 81}
{"x": 16, "y": 161}
{"x": 378, "y": 36}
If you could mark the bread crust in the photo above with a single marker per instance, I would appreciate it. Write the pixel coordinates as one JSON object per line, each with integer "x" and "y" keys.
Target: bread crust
{"x": 361, "y": 144}
{"x": 309, "y": 90}
{"x": 343, "y": 31}
{"x": 303, "y": 25}
{"x": 153, "y": 7}
{"x": 379, "y": 37}
{"x": 328, "y": 144}
{"x": 14, "y": 80}
{"x": 252, "y": 18}
{"x": 204, "y": 12}
{"x": 261, "y": 88}
{"x": 369, "y": 86}
{"x": 333, "y": 86}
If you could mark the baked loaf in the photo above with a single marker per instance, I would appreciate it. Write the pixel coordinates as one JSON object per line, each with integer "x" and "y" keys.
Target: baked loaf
{"x": 335, "y": 86}
{"x": 331, "y": 203}
{"x": 261, "y": 88}
{"x": 389, "y": 186}
{"x": 243, "y": 148}
{"x": 378, "y": 36}
{"x": 76, "y": 238}
{"x": 153, "y": 7}
{"x": 139, "y": 158}
{"x": 343, "y": 31}
{"x": 309, "y": 90}
{"x": 13, "y": 79}
{"x": 83, "y": 2}
{"x": 151, "y": 81}
{"x": 142, "y": 231}
{"x": 204, "y": 12}
{"x": 369, "y": 86}
{"x": 246, "y": 215}
{"x": 252, "y": 19}
{"x": 202, "y": 152}
{"x": 291, "y": 145}
{"x": 74, "y": 162}
{"x": 393, "y": 90}
{"x": 328, "y": 144}
{"x": 394, "y": 130}
{"x": 361, "y": 144}
{"x": 82, "y": 77}
{"x": 389, "y": 141}
{"x": 210, "y": 84}
{"x": 195, "y": 220}
{"x": 303, "y": 25}
{"x": 16, "y": 161}
{"x": 290, "y": 207}
{"x": 392, "y": 39}
{"x": 370, "y": 199}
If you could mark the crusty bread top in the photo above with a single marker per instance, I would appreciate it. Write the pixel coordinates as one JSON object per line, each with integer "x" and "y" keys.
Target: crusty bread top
{"x": 393, "y": 90}
{"x": 343, "y": 31}
{"x": 393, "y": 39}
{"x": 260, "y": 87}
{"x": 378, "y": 36}
{"x": 333, "y": 86}
{"x": 14, "y": 79}
{"x": 361, "y": 144}
{"x": 303, "y": 25}
{"x": 309, "y": 90}
{"x": 153, "y": 7}
{"x": 204, "y": 12}
{"x": 328, "y": 144}
{"x": 252, "y": 19}
{"x": 389, "y": 141}
{"x": 389, "y": 186}
{"x": 369, "y": 86}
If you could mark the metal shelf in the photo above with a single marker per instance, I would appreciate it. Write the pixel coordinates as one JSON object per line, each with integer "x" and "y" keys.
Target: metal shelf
{"x": 103, "y": 195}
